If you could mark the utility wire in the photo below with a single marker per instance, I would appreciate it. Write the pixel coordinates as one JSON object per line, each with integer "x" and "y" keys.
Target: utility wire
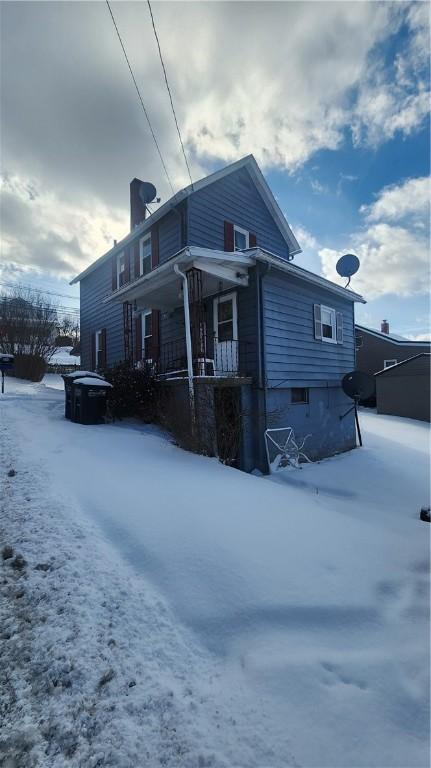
{"x": 38, "y": 290}
{"x": 140, "y": 97}
{"x": 169, "y": 92}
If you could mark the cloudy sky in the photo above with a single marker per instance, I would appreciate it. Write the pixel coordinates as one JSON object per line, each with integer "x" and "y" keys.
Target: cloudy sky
{"x": 331, "y": 98}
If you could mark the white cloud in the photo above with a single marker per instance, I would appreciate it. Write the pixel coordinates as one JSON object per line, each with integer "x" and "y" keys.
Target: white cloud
{"x": 396, "y": 97}
{"x": 393, "y": 245}
{"x": 42, "y": 232}
{"x": 419, "y": 336}
{"x": 397, "y": 201}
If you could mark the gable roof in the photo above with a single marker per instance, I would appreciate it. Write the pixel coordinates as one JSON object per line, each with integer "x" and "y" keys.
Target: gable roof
{"x": 260, "y": 182}
{"x": 402, "y": 362}
{"x": 399, "y": 340}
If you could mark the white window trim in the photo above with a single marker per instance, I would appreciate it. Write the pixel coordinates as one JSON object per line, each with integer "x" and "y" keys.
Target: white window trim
{"x": 119, "y": 272}
{"x": 389, "y": 363}
{"x": 220, "y": 300}
{"x": 97, "y": 344}
{"x": 333, "y": 324}
{"x": 145, "y": 239}
{"x": 243, "y": 232}
{"x": 144, "y": 336}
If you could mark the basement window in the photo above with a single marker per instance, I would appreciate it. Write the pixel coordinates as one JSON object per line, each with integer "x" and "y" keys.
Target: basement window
{"x": 299, "y": 396}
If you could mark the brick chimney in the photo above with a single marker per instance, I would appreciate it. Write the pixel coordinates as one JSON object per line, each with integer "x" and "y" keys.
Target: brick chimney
{"x": 384, "y": 326}
{"x": 137, "y": 207}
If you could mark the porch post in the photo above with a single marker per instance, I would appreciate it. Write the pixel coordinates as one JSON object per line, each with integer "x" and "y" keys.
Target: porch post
{"x": 188, "y": 339}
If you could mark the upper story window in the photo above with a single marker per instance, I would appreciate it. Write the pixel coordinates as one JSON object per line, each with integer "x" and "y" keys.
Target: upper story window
{"x": 145, "y": 254}
{"x": 328, "y": 324}
{"x": 121, "y": 269}
{"x": 241, "y": 238}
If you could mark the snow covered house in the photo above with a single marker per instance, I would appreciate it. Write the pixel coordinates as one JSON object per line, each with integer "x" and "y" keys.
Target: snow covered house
{"x": 205, "y": 290}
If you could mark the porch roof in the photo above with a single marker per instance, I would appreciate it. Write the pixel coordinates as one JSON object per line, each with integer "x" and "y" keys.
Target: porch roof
{"x": 162, "y": 287}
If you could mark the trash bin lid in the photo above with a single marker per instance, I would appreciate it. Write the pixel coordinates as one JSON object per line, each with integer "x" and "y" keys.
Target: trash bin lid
{"x": 89, "y": 381}
{"x": 80, "y": 375}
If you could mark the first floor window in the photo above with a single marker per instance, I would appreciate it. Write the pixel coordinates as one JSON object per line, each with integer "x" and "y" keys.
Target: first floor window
{"x": 145, "y": 254}
{"x": 328, "y": 324}
{"x": 121, "y": 269}
{"x": 388, "y": 363}
{"x": 100, "y": 349}
{"x": 240, "y": 238}
{"x": 299, "y": 395}
{"x": 147, "y": 335}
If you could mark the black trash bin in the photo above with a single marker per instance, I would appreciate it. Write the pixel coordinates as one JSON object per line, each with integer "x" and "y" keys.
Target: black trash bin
{"x": 89, "y": 396}
{"x": 68, "y": 379}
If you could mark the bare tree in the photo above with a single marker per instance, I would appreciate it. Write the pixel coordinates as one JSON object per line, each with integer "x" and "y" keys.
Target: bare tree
{"x": 28, "y": 329}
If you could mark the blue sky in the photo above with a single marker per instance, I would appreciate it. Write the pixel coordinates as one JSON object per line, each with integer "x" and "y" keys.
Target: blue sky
{"x": 331, "y": 98}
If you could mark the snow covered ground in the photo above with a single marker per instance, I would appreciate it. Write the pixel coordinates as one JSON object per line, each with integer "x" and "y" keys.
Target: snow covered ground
{"x": 62, "y": 356}
{"x": 177, "y": 612}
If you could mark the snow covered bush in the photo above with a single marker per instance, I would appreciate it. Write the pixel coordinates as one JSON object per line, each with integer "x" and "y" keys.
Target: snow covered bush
{"x": 135, "y": 392}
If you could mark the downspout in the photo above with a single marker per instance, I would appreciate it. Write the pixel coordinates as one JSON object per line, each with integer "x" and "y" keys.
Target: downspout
{"x": 263, "y": 269}
{"x": 188, "y": 339}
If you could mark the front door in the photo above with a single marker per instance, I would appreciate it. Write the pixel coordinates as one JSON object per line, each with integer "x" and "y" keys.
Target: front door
{"x": 225, "y": 335}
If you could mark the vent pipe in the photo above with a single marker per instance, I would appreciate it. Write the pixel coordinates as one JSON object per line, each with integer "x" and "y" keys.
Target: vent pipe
{"x": 384, "y": 326}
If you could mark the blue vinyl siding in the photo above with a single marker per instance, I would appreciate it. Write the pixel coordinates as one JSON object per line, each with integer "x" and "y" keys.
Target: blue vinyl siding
{"x": 235, "y": 199}
{"x": 169, "y": 235}
{"x": 95, "y": 315}
{"x": 292, "y": 354}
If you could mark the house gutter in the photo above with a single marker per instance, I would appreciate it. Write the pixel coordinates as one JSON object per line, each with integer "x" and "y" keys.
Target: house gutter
{"x": 188, "y": 340}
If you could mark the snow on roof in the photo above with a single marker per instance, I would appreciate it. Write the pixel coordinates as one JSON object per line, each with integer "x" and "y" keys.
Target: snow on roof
{"x": 93, "y": 381}
{"x": 262, "y": 185}
{"x": 392, "y": 337}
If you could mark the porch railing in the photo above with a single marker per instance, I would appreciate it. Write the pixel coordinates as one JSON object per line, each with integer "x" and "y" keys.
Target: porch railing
{"x": 221, "y": 358}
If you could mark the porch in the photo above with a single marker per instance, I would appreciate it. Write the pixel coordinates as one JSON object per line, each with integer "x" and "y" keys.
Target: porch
{"x": 182, "y": 318}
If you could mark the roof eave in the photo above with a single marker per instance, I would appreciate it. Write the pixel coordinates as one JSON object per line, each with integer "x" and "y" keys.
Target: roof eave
{"x": 310, "y": 277}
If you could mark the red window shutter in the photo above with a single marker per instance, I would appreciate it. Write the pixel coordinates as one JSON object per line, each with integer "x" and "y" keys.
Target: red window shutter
{"x": 155, "y": 333}
{"x": 251, "y": 240}
{"x": 154, "y": 247}
{"x": 104, "y": 356}
{"x": 229, "y": 243}
{"x": 138, "y": 338}
{"x": 114, "y": 273}
{"x": 137, "y": 260}
{"x": 127, "y": 266}
{"x": 93, "y": 351}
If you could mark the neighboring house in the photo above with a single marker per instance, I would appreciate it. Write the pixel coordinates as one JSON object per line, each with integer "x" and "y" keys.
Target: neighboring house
{"x": 376, "y": 350}
{"x": 260, "y": 330}
{"x": 404, "y": 389}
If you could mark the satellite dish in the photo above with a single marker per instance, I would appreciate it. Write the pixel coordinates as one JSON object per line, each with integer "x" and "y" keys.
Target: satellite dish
{"x": 347, "y": 266}
{"x": 147, "y": 192}
{"x": 358, "y": 385}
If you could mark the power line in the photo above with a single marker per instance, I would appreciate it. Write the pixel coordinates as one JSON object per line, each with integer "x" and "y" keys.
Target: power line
{"x": 140, "y": 97}
{"x": 38, "y": 290}
{"x": 169, "y": 92}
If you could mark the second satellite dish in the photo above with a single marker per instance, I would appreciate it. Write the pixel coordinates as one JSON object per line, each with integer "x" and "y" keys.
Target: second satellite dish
{"x": 347, "y": 266}
{"x": 358, "y": 385}
{"x": 147, "y": 192}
